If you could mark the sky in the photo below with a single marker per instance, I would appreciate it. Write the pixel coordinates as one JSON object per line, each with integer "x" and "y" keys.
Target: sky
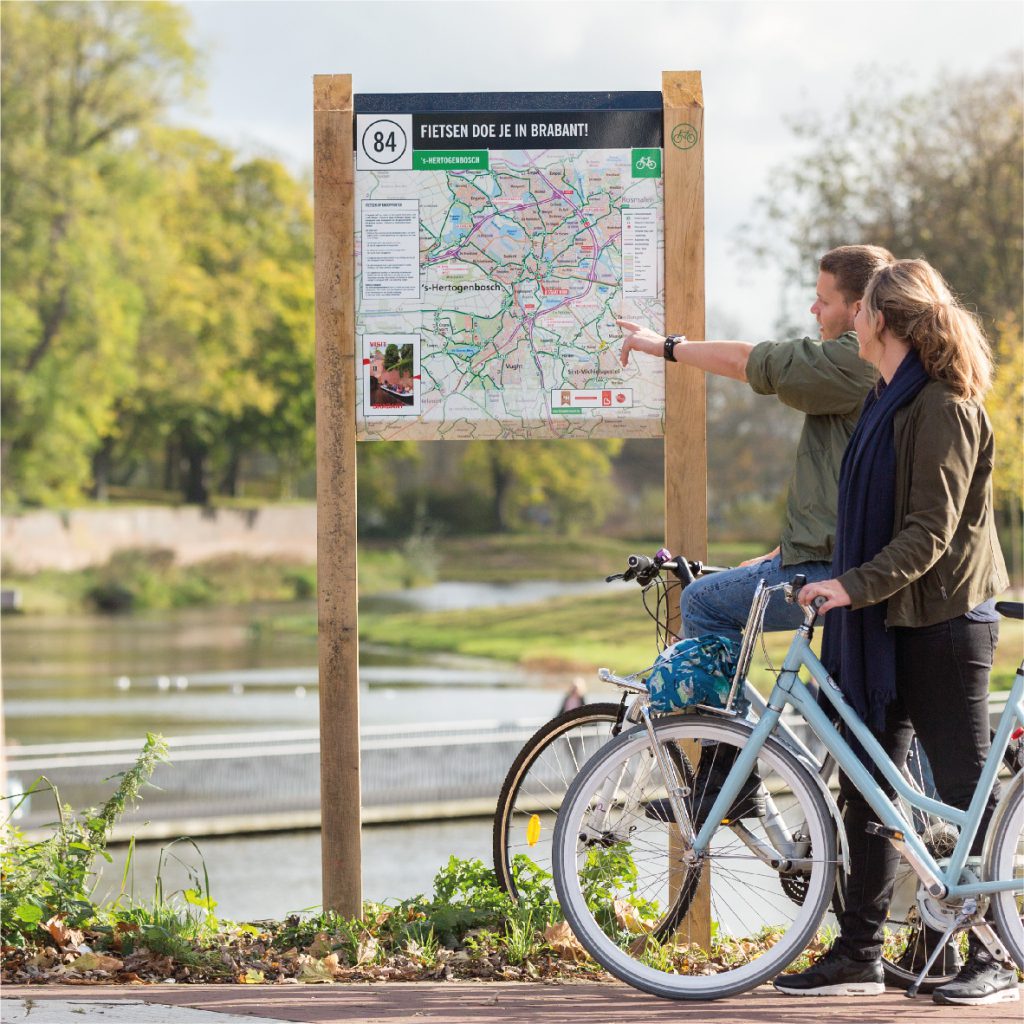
{"x": 761, "y": 63}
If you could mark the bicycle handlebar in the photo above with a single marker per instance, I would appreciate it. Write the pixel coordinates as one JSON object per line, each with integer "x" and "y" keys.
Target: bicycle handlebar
{"x": 645, "y": 569}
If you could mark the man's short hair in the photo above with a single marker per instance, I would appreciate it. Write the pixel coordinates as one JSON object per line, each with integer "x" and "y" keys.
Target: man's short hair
{"x": 853, "y": 265}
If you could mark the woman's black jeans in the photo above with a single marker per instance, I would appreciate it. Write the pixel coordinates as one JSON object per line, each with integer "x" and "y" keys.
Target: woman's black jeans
{"x": 942, "y": 679}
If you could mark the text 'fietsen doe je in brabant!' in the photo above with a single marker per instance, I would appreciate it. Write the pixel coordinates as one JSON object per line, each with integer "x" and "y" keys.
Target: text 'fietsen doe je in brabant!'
{"x": 555, "y": 130}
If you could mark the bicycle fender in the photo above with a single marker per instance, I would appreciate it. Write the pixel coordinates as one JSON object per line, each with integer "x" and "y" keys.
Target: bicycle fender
{"x": 1002, "y": 809}
{"x": 837, "y": 817}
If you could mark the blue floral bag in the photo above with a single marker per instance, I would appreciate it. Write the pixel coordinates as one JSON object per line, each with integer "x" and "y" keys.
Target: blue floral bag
{"x": 698, "y": 670}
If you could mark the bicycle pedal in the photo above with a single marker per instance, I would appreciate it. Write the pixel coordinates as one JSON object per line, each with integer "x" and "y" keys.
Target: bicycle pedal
{"x": 874, "y": 828}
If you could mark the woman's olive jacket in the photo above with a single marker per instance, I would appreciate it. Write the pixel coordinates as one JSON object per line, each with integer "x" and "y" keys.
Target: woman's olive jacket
{"x": 944, "y": 557}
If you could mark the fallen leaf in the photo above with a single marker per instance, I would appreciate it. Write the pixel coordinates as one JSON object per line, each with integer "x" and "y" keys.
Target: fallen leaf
{"x": 59, "y": 931}
{"x": 251, "y": 977}
{"x": 150, "y": 963}
{"x": 314, "y": 972}
{"x": 561, "y": 939}
{"x": 95, "y": 962}
{"x": 320, "y": 946}
{"x": 47, "y": 958}
{"x": 627, "y": 917}
{"x": 367, "y": 950}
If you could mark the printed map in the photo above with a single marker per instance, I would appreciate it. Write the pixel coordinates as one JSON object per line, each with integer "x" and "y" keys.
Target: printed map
{"x": 523, "y": 266}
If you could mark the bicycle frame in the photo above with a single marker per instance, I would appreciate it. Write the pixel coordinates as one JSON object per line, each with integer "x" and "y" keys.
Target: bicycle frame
{"x": 790, "y": 689}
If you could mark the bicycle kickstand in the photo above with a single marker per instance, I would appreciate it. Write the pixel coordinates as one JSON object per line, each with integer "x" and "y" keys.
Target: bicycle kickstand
{"x": 963, "y": 920}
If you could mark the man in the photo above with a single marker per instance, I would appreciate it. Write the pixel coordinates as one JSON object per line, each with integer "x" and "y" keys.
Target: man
{"x": 827, "y": 381}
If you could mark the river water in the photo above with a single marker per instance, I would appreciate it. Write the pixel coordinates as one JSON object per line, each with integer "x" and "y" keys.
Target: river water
{"x": 196, "y": 671}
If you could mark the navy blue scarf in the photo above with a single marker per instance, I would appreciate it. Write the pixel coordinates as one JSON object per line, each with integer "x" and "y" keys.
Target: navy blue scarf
{"x": 857, "y": 649}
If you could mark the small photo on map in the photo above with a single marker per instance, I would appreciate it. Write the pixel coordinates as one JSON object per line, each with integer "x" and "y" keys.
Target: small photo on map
{"x": 391, "y": 375}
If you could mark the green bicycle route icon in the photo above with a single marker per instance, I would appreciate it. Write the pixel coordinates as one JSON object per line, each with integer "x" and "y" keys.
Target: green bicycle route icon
{"x": 685, "y": 136}
{"x": 646, "y": 163}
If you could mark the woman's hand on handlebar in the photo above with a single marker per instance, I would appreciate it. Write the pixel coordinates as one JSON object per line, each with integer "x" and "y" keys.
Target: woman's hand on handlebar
{"x": 832, "y": 590}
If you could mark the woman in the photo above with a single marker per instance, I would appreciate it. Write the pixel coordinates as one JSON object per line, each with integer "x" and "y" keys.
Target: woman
{"x": 912, "y": 630}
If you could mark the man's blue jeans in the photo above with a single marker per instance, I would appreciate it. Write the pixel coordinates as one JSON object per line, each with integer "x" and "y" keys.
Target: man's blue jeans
{"x": 720, "y": 602}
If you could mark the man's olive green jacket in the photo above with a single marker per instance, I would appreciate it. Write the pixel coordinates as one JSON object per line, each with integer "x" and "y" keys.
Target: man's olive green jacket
{"x": 944, "y": 557}
{"x": 828, "y": 382}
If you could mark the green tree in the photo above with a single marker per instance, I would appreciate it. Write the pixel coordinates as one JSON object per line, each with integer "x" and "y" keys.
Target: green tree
{"x": 386, "y": 470}
{"x": 563, "y": 484}
{"x": 225, "y": 358}
{"x": 82, "y": 84}
{"x": 937, "y": 174}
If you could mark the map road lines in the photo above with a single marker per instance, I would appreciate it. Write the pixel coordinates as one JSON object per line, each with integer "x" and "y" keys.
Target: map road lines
{"x": 520, "y": 280}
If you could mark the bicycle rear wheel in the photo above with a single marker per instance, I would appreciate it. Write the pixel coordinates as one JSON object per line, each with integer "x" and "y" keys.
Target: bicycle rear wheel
{"x": 759, "y": 893}
{"x": 533, "y": 791}
{"x": 537, "y": 781}
{"x": 1006, "y": 860}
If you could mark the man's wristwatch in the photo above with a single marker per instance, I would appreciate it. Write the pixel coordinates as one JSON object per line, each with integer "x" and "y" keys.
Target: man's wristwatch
{"x": 670, "y": 346}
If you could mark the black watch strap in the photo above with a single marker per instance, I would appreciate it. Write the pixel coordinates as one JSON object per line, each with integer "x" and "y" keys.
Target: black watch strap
{"x": 670, "y": 346}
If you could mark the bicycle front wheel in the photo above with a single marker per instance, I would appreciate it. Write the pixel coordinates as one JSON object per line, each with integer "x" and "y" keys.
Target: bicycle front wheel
{"x": 756, "y": 896}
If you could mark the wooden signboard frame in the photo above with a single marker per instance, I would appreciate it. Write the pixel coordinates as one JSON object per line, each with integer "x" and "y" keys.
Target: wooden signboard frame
{"x": 337, "y": 599}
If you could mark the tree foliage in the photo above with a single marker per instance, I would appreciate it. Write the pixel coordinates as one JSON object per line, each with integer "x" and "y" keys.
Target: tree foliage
{"x": 158, "y": 290}
{"x": 937, "y": 174}
{"x": 81, "y": 85}
{"x": 565, "y": 484}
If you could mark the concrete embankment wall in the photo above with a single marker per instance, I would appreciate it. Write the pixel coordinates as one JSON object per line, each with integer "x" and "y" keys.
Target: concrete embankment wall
{"x": 84, "y": 537}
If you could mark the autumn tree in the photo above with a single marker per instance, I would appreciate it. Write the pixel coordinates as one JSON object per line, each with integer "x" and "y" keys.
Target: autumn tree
{"x": 81, "y": 85}
{"x": 225, "y": 356}
{"x": 563, "y": 484}
{"x": 937, "y": 174}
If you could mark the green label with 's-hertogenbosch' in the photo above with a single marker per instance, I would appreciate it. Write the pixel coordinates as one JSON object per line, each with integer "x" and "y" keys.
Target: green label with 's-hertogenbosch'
{"x": 450, "y": 160}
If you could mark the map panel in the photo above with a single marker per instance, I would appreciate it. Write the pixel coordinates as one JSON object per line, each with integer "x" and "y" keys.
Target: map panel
{"x": 525, "y": 259}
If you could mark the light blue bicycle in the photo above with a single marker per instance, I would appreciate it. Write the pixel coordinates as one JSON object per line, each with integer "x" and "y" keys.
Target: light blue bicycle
{"x": 757, "y": 866}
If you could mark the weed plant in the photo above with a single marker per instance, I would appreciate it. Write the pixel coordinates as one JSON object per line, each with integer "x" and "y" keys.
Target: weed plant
{"x": 55, "y": 877}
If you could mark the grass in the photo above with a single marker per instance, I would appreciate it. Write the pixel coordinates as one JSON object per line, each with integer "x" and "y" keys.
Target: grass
{"x": 586, "y": 632}
{"x": 582, "y": 632}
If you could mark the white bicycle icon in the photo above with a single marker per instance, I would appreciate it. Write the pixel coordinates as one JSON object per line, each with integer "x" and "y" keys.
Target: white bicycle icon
{"x": 646, "y": 163}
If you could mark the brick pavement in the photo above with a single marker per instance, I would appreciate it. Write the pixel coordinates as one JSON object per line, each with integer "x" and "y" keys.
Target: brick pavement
{"x": 494, "y": 1003}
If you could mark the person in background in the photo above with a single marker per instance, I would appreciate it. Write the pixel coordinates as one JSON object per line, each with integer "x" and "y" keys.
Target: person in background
{"x": 575, "y": 697}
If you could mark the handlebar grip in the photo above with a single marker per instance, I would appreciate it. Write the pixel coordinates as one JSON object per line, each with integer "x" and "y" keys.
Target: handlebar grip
{"x": 639, "y": 563}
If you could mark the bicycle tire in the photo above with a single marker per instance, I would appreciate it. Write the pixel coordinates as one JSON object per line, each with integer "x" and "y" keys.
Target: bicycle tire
{"x": 504, "y": 841}
{"x": 739, "y": 897}
{"x": 1005, "y": 859}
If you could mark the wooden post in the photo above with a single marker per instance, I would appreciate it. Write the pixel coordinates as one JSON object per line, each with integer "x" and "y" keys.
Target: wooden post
{"x": 686, "y": 483}
{"x": 337, "y": 598}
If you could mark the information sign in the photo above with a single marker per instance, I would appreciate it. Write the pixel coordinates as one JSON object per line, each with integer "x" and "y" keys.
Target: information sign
{"x": 498, "y": 237}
